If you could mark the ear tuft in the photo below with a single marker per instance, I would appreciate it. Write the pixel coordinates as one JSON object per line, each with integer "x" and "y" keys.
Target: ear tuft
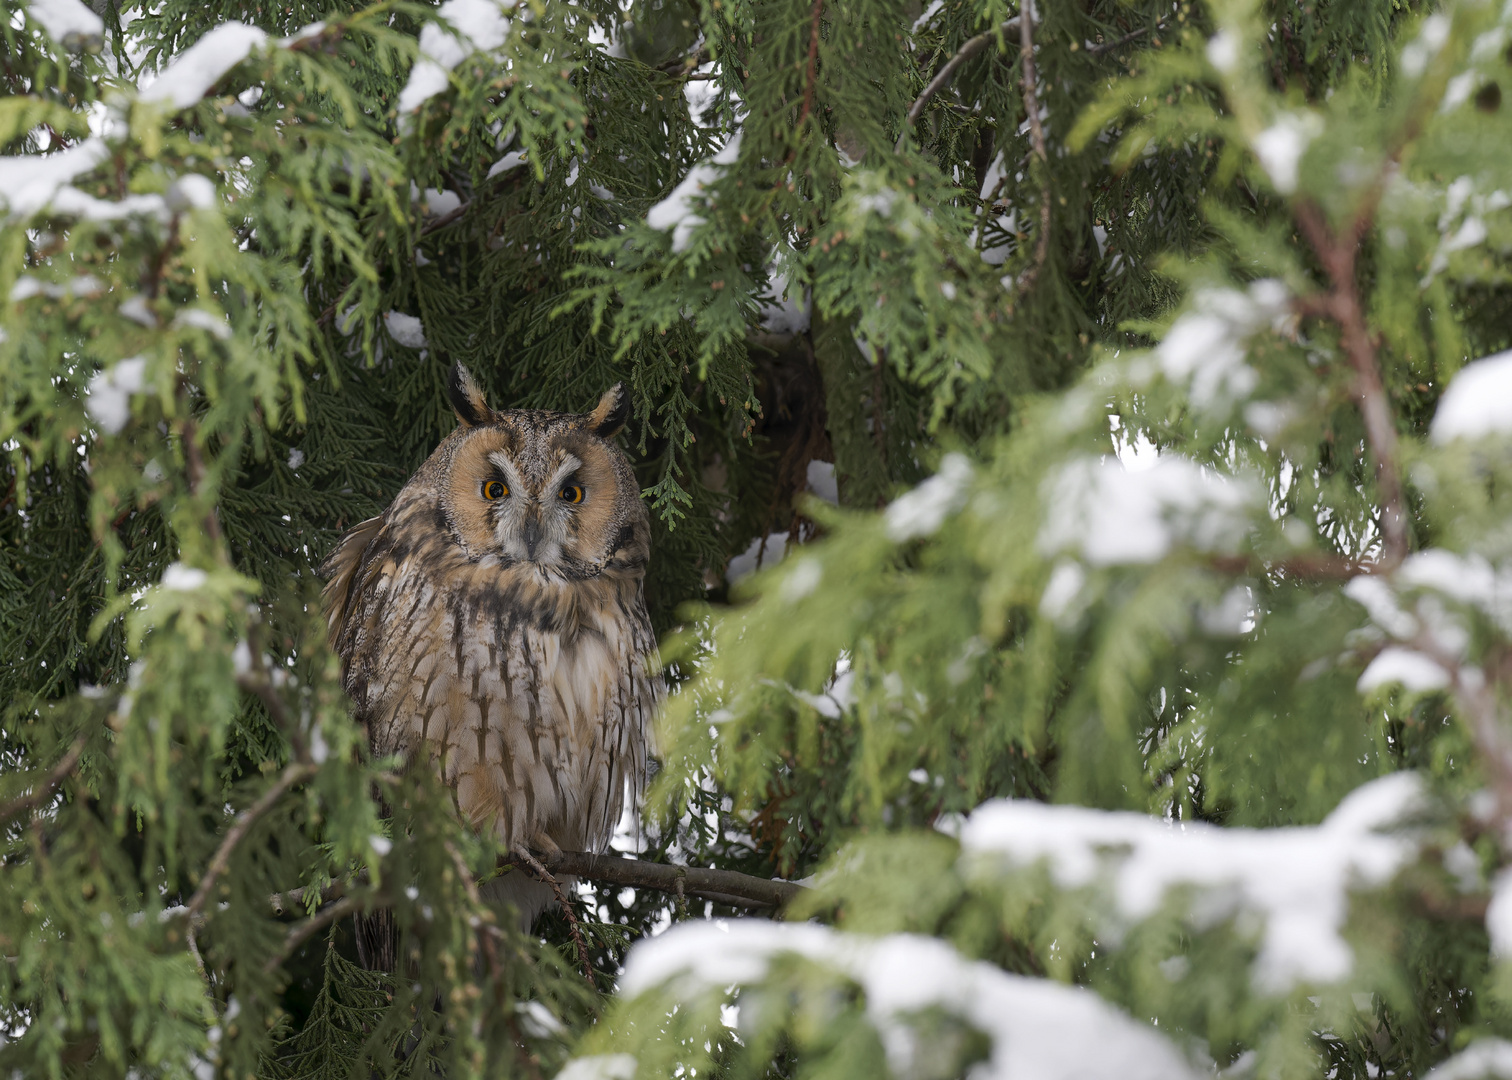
{"x": 610, "y": 415}
{"x": 466, "y": 397}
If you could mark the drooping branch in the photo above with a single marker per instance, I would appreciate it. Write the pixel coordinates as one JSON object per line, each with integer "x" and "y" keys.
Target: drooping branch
{"x": 948, "y": 72}
{"x": 43, "y": 791}
{"x": 540, "y": 873}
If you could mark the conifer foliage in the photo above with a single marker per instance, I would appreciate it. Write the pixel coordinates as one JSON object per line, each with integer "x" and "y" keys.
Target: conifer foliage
{"x": 1078, "y": 438}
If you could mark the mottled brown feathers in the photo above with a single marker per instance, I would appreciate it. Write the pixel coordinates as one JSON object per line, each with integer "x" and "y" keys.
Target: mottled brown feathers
{"x": 491, "y": 621}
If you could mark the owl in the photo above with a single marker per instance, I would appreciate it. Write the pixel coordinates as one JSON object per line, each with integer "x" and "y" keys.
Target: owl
{"x": 492, "y": 623}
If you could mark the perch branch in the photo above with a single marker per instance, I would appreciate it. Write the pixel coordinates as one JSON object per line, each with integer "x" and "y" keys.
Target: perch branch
{"x": 721, "y": 886}
{"x": 39, "y": 794}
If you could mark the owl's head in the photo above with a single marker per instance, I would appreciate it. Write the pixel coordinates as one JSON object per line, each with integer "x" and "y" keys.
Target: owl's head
{"x": 547, "y": 488}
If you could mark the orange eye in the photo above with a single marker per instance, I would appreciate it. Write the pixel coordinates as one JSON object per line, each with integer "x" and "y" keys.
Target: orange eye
{"x": 571, "y": 493}
{"x": 494, "y": 490}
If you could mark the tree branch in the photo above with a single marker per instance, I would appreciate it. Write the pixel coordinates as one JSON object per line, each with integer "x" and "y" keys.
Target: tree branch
{"x": 535, "y": 869}
{"x": 43, "y": 791}
{"x": 301, "y": 932}
{"x": 1342, "y": 303}
{"x": 813, "y": 66}
{"x": 1037, "y": 137}
{"x": 721, "y": 886}
{"x": 948, "y": 72}
{"x": 294, "y": 773}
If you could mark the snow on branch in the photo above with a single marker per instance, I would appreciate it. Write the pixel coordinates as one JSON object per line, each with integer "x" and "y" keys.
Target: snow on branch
{"x": 1296, "y": 879}
{"x": 1111, "y": 515}
{"x": 1039, "y": 1030}
{"x": 477, "y": 26}
{"x": 1477, "y": 403}
{"x": 676, "y": 213}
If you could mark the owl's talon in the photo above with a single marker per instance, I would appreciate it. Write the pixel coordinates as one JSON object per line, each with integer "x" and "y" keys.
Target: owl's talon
{"x": 545, "y": 845}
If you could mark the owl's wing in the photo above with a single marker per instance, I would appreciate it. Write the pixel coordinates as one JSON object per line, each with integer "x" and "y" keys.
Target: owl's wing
{"x": 342, "y": 569}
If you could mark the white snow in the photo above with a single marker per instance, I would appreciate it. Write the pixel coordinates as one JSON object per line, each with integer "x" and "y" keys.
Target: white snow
{"x": 66, "y": 21}
{"x": 928, "y": 17}
{"x": 181, "y": 578}
{"x": 1416, "y": 672}
{"x": 1065, "y": 585}
{"x": 200, "y": 319}
{"x": 821, "y": 481}
{"x": 1296, "y": 879}
{"x": 198, "y": 68}
{"x": 599, "y": 1067}
{"x": 1484, "y": 1059}
{"x": 407, "y": 330}
{"x": 27, "y": 287}
{"x": 480, "y": 26}
{"x": 440, "y": 203}
{"x": 676, "y": 212}
{"x": 923, "y": 510}
{"x": 784, "y": 309}
{"x": 108, "y": 399}
{"x": 1039, "y": 1030}
{"x": 1477, "y": 402}
{"x": 1223, "y": 50}
{"x": 29, "y": 182}
{"x": 296, "y": 459}
{"x": 1110, "y": 515}
{"x": 1206, "y": 346}
{"x": 511, "y": 160}
{"x": 1499, "y": 915}
{"x": 755, "y": 556}
{"x": 1280, "y": 147}
{"x": 192, "y": 191}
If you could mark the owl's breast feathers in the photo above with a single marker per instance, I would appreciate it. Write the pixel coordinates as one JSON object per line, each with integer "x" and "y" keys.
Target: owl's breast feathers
{"x": 531, "y": 691}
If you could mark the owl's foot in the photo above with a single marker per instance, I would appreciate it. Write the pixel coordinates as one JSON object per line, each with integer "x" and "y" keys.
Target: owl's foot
{"x": 545, "y": 845}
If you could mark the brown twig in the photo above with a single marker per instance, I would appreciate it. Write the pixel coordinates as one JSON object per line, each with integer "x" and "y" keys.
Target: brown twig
{"x": 220, "y": 862}
{"x": 445, "y": 219}
{"x": 1342, "y": 303}
{"x": 1037, "y": 138}
{"x": 1129, "y": 38}
{"x": 812, "y": 73}
{"x": 948, "y": 72}
{"x": 31, "y": 800}
{"x": 541, "y": 873}
{"x": 301, "y": 932}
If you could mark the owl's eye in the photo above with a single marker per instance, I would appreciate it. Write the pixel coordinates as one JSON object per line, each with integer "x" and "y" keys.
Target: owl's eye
{"x": 571, "y": 493}
{"x": 494, "y": 490}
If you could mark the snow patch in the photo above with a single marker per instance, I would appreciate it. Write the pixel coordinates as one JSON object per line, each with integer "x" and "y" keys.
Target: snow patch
{"x": 1110, "y": 515}
{"x": 599, "y": 1067}
{"x": 760, "y": 552}
{"x": 1206, "y": 346}
{"x": 406, "y": 330}
{"x": 1223, "y": 51}
{"x": 676, "y": 213}
{"x": 1296, "y": 879}
{"x": 189, "y": 78}
{"x": 181, "y": 578}
{"x": 479, "y": 26}
{"x": 1484, "y": 1059}
{"x": 1039, "y": 1030}
{"x": 67, "y": 22}
{"x": 1414, "y": 671}
{"x": 1280, "y": 147}
{"x": 923, "y": 510}
{"x": 1477, "y": 402}
{"x": 108, "y": 399}
{"x": 29, "y": 182}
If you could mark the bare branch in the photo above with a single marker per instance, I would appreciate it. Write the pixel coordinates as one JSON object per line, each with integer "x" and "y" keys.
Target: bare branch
{"x": 302, "y": 931}
{"x": 42, "y": 792}
{"x": 1337, "y": 254}
{"x": 1037, "y": 138}
{"x": 948, "y": 72}
{"x": 1132, "y": 36}
{"x": 721, "y": 886}
{"x": 812, "y": 73}
{"x": 294, "y": 773}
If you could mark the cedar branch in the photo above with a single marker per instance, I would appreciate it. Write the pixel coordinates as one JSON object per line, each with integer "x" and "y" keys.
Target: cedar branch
{"x": 721, "y": 886}
{"x": 1037, "y": 137}
{"x": 948, "y": 72}
{"x": 34, "y": 798}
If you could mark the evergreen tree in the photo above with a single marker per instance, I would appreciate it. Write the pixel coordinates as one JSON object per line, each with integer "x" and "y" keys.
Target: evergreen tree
{"x": 1075, "y": 436}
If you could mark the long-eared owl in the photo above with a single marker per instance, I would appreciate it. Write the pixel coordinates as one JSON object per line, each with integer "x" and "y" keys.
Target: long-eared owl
{"x": 492, "y": 622}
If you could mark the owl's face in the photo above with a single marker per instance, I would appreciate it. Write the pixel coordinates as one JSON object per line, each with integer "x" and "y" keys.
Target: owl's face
{"x": 547, "y": 489}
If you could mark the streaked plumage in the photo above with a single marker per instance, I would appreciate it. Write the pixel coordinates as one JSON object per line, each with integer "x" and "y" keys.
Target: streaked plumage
{"x": 504, "y": 638}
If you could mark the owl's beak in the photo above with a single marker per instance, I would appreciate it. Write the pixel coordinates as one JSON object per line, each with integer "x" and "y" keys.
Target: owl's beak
{"x": 532, "y": 535}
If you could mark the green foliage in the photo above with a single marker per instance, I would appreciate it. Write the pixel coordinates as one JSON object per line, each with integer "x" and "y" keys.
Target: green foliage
{"x": 209, "y": 371}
